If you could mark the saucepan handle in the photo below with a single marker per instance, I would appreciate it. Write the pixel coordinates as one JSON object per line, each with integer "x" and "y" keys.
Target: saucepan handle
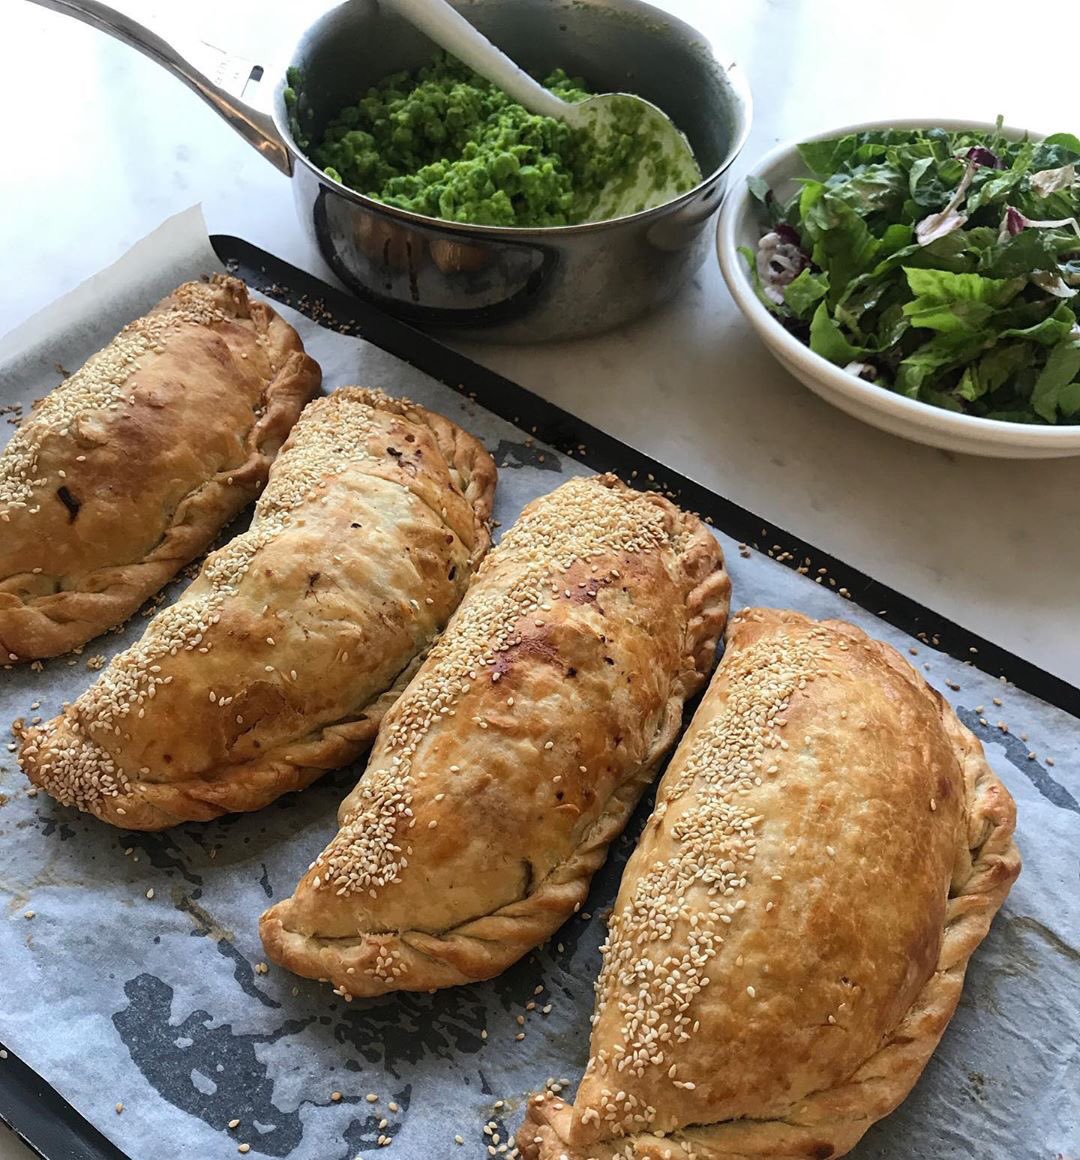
{"x": 222, "y": 91}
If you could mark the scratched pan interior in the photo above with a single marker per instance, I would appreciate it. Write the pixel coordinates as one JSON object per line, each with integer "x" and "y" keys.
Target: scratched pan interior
{"x": 214, "y": 1039}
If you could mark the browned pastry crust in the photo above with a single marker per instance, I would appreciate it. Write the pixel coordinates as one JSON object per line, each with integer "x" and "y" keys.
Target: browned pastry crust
{"x": 516, "y": 755}
{"x": 791, "y": 934}
{"x": 279, "y": 660}
{"x": 131, "y": 467}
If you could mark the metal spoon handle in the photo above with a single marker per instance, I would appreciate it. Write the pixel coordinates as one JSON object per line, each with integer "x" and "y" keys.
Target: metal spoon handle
{"x": 450, "y": 30}
{"x": 222, "y": 93}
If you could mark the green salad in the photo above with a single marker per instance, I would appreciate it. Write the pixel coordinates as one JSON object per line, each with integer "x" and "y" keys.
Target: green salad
{"x": 941, "y": 265}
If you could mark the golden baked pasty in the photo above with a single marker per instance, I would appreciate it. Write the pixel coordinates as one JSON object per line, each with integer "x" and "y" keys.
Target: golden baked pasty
{"x": 516, "y": 755}
{"x": 790, "y": 937}
{"x": 130, "y": 468}
{"x": 278, "y": 661}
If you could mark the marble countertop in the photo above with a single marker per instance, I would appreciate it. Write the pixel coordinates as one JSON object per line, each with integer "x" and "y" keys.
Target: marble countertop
{"x": 102, "y": 145}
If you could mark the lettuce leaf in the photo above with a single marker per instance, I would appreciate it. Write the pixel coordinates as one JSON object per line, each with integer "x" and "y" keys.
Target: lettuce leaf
{"x": 1050, "y": 331}
{"x": 925, "y": 367}
{"x": 1024, "y": 253}
{"x": 827, "y": 340}
{"x": 870, "y": 189}
{"x": 1069, "y": 400}
{"x": 956, "y": 303}
{"x": 806, "y": 289}
{"x": 842, "y": 243}
{"x": 993, "y": 370}
{"x": 1062, "y": 366}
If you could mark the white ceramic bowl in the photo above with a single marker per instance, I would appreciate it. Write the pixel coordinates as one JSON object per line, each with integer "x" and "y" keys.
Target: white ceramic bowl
{"x": 934, "y": 426}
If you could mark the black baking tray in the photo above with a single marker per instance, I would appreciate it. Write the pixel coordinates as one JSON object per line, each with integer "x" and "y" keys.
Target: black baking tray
{"x": 29, "y": 1105}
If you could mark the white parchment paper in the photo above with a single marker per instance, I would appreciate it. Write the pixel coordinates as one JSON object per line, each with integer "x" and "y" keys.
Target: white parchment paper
{"x": 162, "y": 1004}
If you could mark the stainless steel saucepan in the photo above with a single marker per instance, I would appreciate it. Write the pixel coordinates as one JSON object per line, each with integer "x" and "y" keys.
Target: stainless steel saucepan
{"x": 495, "y": 282}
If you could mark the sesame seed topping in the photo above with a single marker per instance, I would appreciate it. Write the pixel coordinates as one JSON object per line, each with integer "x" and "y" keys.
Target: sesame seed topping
{"x": 67, "y": 756}
{"x": 583, "y": 518}
{"x": 100, "y": 384}
{"x": 646, "y": 984}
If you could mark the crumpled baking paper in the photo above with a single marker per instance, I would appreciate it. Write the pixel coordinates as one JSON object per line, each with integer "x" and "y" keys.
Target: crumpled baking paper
{"x": 140, "y": 977}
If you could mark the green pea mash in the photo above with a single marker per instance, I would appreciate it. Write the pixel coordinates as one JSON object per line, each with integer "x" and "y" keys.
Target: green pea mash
{"x": 446, "y": 143}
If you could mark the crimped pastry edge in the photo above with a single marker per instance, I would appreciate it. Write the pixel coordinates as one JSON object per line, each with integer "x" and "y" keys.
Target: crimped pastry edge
{"x": 828, "y": 1124}
{"x": 470, "y": 463}
{"x": 485, "y": 946}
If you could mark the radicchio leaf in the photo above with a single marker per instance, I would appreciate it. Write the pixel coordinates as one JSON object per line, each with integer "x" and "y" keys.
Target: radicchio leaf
{"x": 1013, "y": 221}
{"x": 1011, "y": 224}
{"x": 1048, "y": 181}
{"x": 780, "y": 261}
{"x": 1052, "y": 282}
{"x": 985, "y": 157}
{"x": 937, "y": 225}
{"x": 788, "y": 233}
{"x": 862, "y": 370}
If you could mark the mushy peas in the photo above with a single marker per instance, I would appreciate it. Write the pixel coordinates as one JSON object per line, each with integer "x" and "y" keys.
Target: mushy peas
{"x": 446, "y": 143}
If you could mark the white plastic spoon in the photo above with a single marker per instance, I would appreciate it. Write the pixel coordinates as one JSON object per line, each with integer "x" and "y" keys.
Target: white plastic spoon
{"x": 667, "y": 167}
